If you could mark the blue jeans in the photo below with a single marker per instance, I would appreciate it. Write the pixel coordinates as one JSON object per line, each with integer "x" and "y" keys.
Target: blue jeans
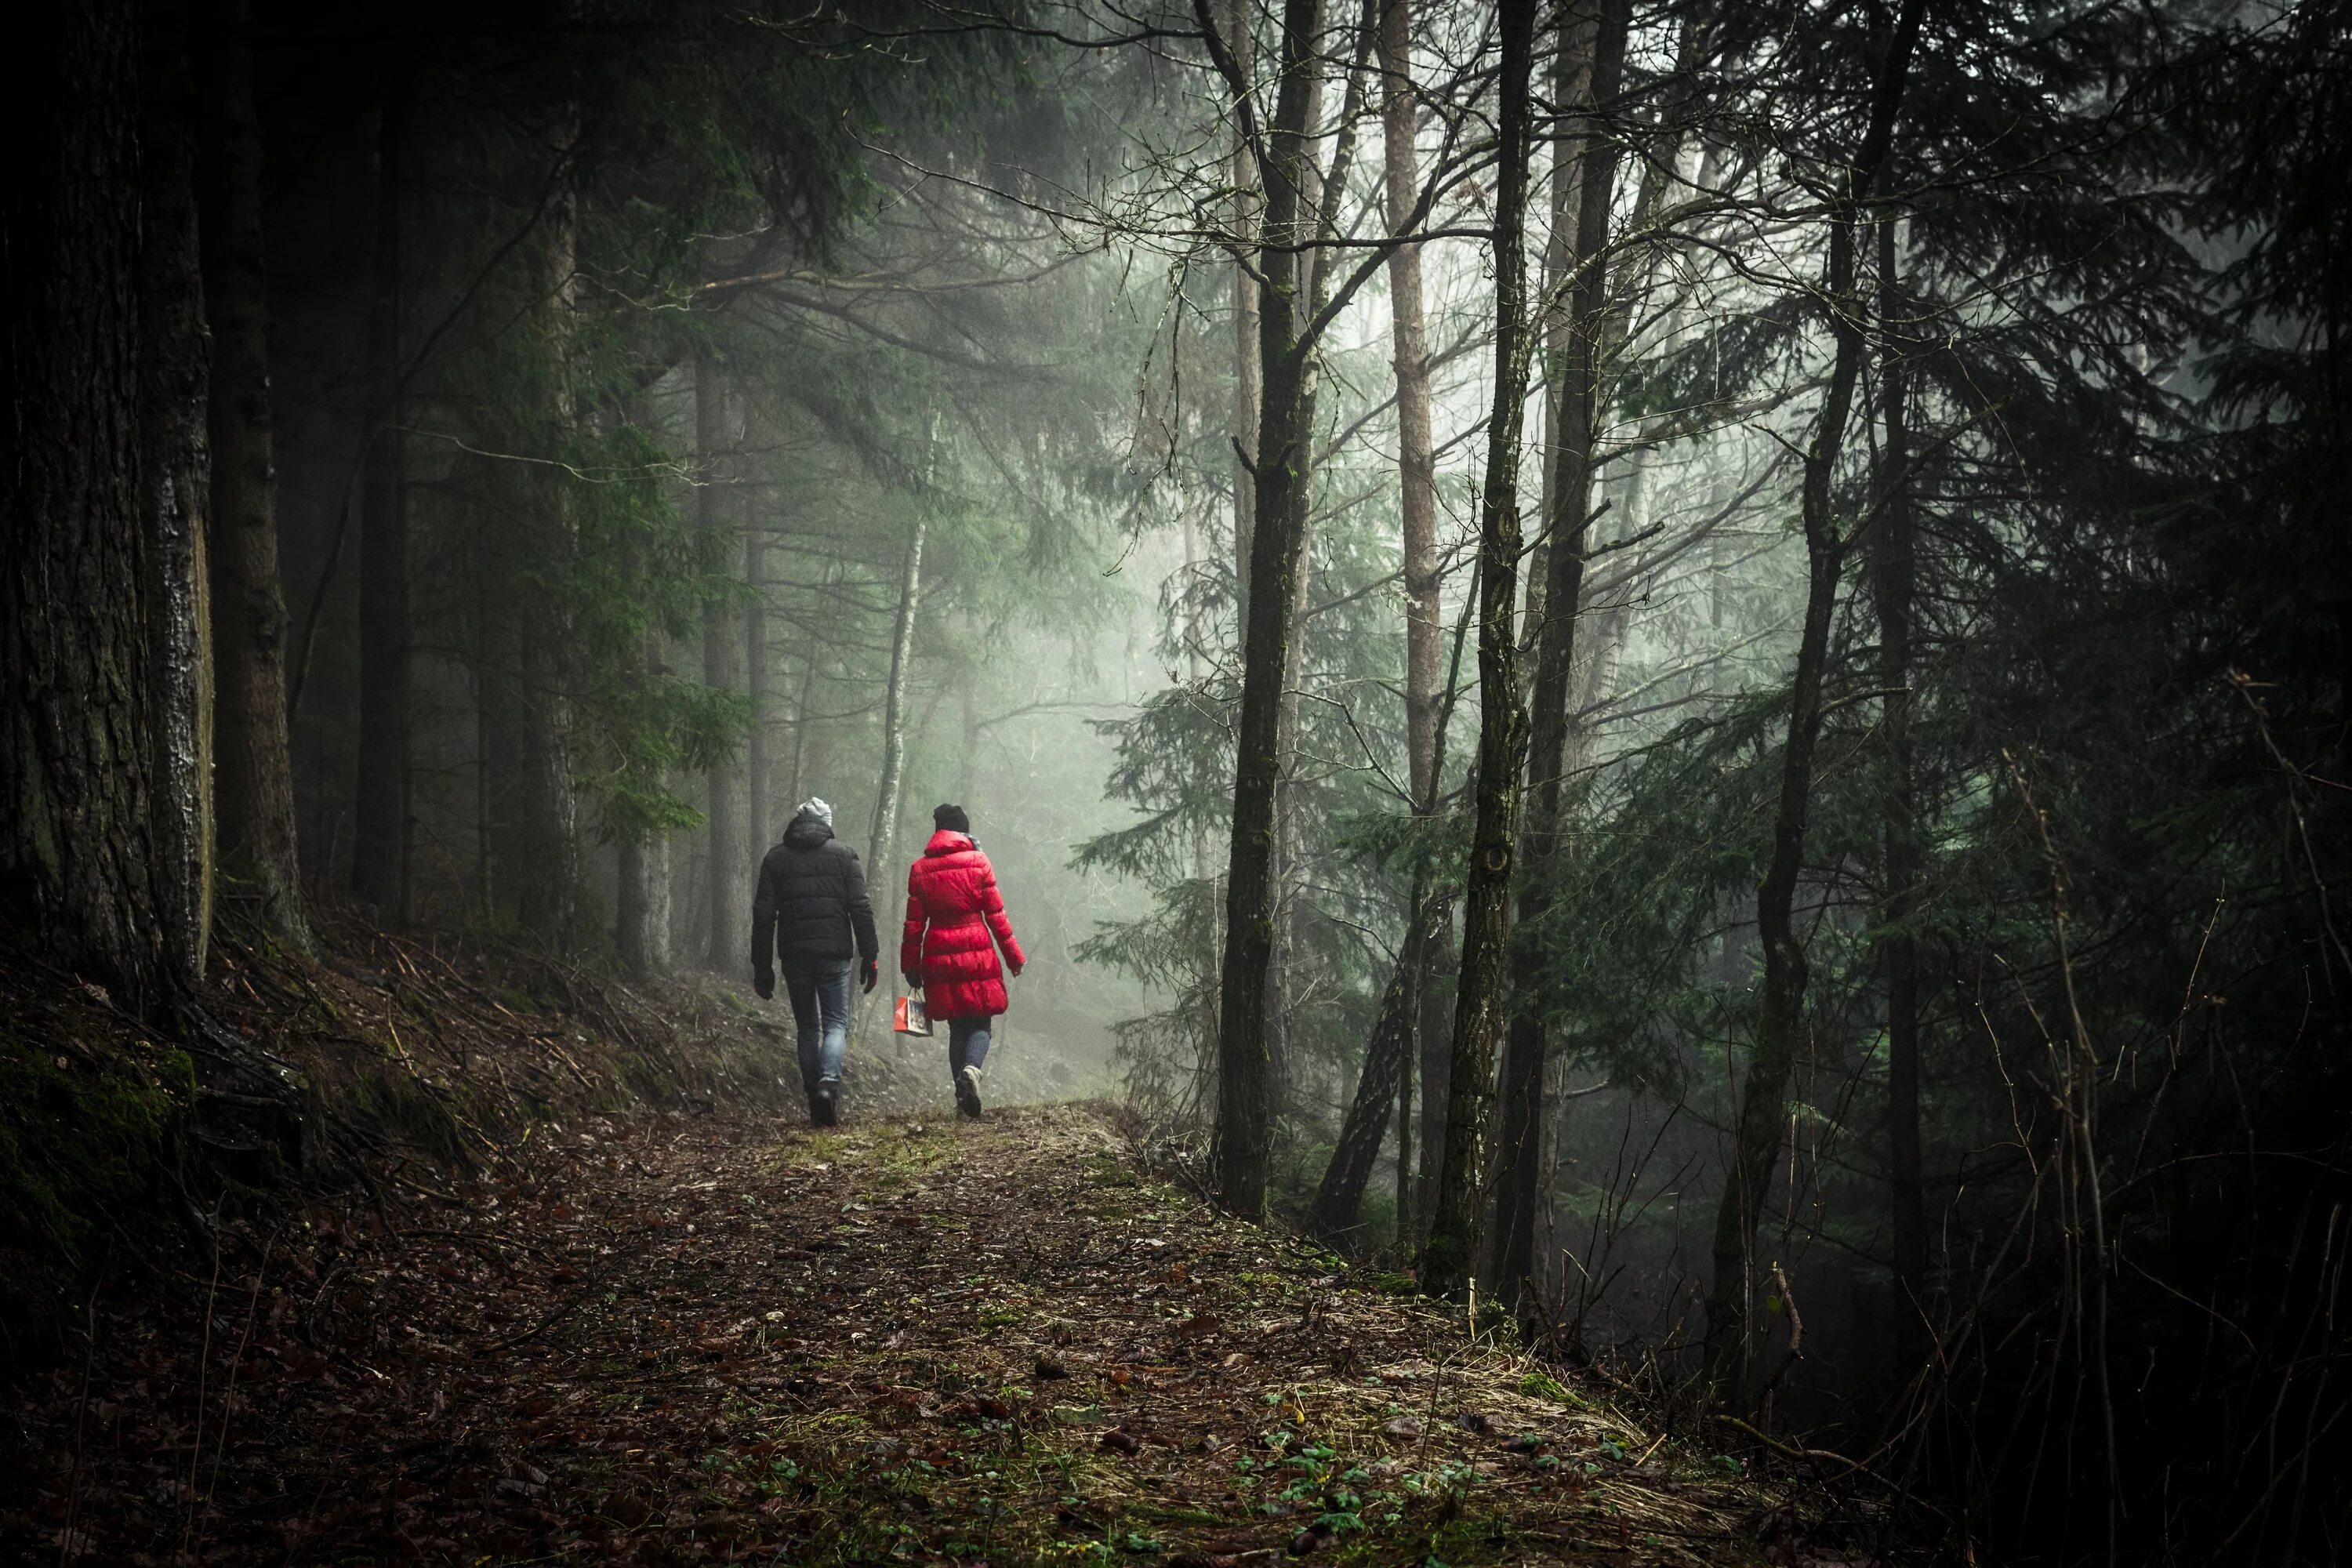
{"x": 819, "y": 989}
{"x": 967, "y": 1043}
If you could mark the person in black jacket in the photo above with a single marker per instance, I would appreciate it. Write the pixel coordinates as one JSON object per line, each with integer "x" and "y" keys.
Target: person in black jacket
{"x": 812, "y": 914}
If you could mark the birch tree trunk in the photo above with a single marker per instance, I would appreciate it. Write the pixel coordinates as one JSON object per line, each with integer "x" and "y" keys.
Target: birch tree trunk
{"x": 1763, "y": 1109}
{"x": 1455, "y": 1231}
{"x": 254, "y": 771}
{"x": 880, "y": 845}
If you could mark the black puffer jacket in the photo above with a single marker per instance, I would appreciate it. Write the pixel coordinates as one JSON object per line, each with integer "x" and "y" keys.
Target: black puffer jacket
{"x": 811, "y": 899}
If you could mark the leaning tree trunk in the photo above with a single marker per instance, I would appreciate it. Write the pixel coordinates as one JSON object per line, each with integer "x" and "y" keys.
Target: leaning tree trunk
{"x": 1451, "y": 1253}
{"x": 1387, "y": 1057}
{"x": 1591, "y": 64}
{"x": 380, "y": 808}
{"x": 103, "y": 843}
{"x": 252, "y": 776}
{"x": 1756, "y": 1133}
{"x": 1241, "y": 1144}
{"x": 727, "y": 911}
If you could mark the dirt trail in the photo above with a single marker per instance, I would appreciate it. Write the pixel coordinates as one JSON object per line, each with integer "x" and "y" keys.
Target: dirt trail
{"x": 673, "y": 1339}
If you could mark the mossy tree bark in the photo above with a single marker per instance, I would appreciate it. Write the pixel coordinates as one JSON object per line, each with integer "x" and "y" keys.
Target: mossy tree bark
{"x": 105, "y": 837}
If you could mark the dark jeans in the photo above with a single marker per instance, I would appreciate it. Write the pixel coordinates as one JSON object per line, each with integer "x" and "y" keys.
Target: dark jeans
{"x": 819, "y": 989}
{"x": 967, "y": 1043}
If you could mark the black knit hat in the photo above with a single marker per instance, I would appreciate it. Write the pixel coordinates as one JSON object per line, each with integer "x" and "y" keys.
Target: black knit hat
{"x": 951, "y": 819}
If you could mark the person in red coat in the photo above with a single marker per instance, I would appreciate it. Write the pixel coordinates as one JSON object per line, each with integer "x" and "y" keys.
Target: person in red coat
{"x": 955, "y": 925}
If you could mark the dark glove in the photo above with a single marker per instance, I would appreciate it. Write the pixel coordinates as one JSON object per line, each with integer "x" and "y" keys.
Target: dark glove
{"x": 1015, "y": 969}
{"x": 914, "y": 981}
{"x": 868, "y": 972}
{"x": 764, "y": 983}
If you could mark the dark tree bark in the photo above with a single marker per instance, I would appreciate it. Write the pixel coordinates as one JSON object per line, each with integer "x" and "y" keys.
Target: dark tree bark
{"x": 542, "y": 859}
{"x": 1455, "y": 1230}
{"x": 1763, "y": 1109}
{"x": 254, "y": 772}
{"x": 1894, "y": 584}
{"x": 1241, "y": 1146}
{"x": 728, "y": 912}
{"x": 381, "y": 807}
{"x": 1387, "y": 1057}
{"x": 1589, "y": 68}
{"x": 105, "y": 838}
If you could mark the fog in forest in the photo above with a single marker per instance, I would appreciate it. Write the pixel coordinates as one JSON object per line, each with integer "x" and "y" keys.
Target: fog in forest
{"x": 1674, "y": 672}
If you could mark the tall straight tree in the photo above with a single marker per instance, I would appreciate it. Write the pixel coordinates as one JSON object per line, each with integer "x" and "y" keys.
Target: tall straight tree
{"x": 1242, "y": 1144}
{"x": 1756, "y": 1133}
{"x": 1425, "y": 630}
{"x": 1296, "y": 307}
{"x": 1451, "y": 1253}
{"x": 728, "y": 908}
{"x": 1590, "y": 69}
{"x": 1241, "y": 42}
{"x": 253, "y": 773}
{"x": 380, "y": 807}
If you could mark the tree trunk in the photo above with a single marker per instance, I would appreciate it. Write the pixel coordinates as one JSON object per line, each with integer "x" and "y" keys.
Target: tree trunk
{"x": 879, "y": 847}
{"x": 641, "y": 925}
{"x": 758, "y": 824}
{"x": 1246, "y": 393}
{"x": 103, "y": 846}
{"x": 545, "y": 869}
{"x": 1241, "y": 1144}
{"x": 1425, "y": 630}
{"x": 380, "y": 805}
{"x": 1755, "y": 1134}
{"x": 728, "y": 912}
{"x": 254, "y": 770}
{"x": 1590, "y": 67}
{"x": 1455, "y": 1231}
{"x": 1435, "y": 1039}
{"x": 1386, "y": 1058}
{"x": 1894, "y": 581}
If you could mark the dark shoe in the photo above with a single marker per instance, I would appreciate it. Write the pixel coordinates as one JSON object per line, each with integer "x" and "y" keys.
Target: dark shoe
{"x": 821, "y": 1107}
{"x": 967, "y": 1085}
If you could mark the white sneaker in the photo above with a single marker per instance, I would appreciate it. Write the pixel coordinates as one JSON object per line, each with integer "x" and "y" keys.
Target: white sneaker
{"x": 968, "y": 1091}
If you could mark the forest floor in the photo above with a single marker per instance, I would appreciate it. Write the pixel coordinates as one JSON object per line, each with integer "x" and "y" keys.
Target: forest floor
{"x": 659, "y": 1337}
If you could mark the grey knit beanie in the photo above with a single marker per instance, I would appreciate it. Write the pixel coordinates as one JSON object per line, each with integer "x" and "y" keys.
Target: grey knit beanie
{"x": 815, "y": 805}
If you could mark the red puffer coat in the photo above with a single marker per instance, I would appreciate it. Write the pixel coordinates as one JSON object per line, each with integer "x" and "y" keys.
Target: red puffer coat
{"x": 953, "y": 905}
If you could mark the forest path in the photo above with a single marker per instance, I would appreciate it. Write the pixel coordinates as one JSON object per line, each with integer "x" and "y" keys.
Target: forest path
{"x": 667, "y": 1339}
